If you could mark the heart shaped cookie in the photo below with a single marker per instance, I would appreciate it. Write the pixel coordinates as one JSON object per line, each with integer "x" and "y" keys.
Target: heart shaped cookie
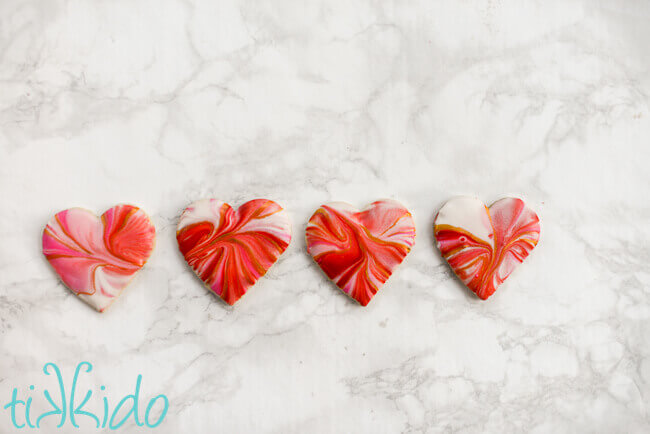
{"x": 359, "y": 250}
{"x": 230, "y": 249}
{"x": 483, "y": 245}
{"x": 97, "y": 257}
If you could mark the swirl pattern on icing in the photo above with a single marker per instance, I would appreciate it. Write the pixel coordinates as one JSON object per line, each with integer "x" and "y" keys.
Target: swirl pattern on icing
{"x": 231, "y": 249}
{"x": 484, "y": 245}
{"x": 96, "y": 257}
{"x": 358, "y": 250}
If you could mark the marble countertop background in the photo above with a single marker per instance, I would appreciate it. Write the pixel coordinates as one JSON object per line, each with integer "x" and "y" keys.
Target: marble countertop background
{"x": 159, "y": 103}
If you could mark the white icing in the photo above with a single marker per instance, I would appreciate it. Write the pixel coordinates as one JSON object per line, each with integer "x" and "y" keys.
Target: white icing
{"x": 469, "y": 214}
{"x": 200, "y": 211}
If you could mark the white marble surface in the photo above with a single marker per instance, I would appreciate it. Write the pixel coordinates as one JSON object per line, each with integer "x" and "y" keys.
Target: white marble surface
{"x": 159, "y": 103}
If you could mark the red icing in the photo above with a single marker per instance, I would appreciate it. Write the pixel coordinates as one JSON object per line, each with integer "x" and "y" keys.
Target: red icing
{"x": 359, "y": 250}
{"x": 231, "y": 249}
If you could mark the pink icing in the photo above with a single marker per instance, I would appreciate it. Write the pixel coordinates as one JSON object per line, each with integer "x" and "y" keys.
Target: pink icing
{"x": 97, "y": 257}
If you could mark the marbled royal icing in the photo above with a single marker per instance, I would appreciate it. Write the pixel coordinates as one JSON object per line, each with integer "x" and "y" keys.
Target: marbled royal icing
{"x": 97, "y": 257}
{"x": 359, "y": 250}
{"x": 483, "y": 245}
{"x": 231, "y": 249}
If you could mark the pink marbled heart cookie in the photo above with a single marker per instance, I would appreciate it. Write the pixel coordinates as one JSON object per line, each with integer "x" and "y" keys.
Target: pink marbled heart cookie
{"x": 96, "y": 257}
{"x": 484, "y": 245}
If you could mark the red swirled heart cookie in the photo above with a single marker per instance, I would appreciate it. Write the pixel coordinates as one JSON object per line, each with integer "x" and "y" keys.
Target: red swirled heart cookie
{"x": 483, "y": 245}
{"x": 96, "y": 257}
{"x": 231, "y": 249}
{"x": 359, "y": 250}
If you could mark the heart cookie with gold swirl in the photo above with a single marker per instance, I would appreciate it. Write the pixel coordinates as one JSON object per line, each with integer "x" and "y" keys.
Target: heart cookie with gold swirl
{"x": 230, "y": 249}
{"x": 96, "y": 257}
{"x": 484, "y": 245}
{"x": 359, "y": 249}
